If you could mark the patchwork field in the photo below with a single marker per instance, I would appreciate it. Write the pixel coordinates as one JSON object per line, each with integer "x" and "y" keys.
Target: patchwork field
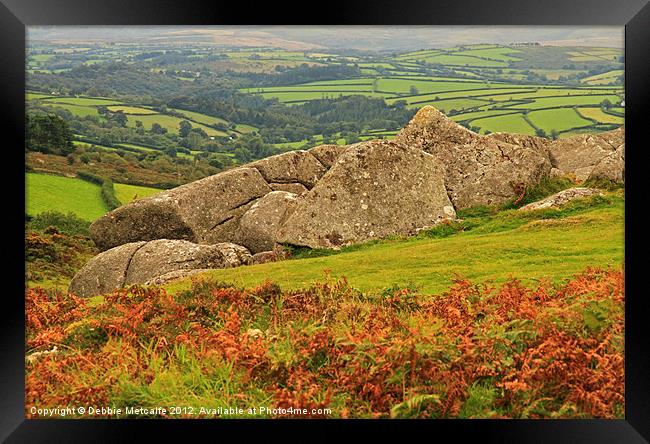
{"x": 171, "y": 123}
{"x": 85, "y": 101}
{"x": 492, "y": 106}
{"x": 131, "y": 109}
{"x": 87, "y": 106}
{"x": 559, "y": 119}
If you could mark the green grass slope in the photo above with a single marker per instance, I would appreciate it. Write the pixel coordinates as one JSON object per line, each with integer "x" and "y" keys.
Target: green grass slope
{"x": 127, "y": 193}
{"x": 64, "y": 194}
{"x": 545, "y": 244}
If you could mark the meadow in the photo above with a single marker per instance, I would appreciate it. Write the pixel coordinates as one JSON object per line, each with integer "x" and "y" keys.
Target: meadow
{"x": 46, "y": 192}
{"x": 549, "y": 244}
{"x": 126, "y": 193}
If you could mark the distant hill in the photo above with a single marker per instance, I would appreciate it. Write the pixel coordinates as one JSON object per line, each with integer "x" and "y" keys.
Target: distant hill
{"x": 375, "y": 38}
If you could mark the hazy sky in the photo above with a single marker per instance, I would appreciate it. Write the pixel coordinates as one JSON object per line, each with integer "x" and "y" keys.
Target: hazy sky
{"x": 354, "y": 37}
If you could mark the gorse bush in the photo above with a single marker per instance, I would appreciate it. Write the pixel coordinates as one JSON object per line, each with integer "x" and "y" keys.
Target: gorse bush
{"x": 54, "y": 255}
{"x": 65, "y": 223}
{"x": 476, "y": 351}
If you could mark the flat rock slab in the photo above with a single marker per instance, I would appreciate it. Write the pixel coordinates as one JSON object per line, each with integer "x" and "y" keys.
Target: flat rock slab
{"x": 375, "y": 189}
{"x": 142, "y": 262}
{"x": 561, "y": 198}
{"x": 205, "y": 211}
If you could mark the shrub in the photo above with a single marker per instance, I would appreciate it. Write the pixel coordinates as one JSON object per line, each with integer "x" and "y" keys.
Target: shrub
{"x": 69, "y": 223}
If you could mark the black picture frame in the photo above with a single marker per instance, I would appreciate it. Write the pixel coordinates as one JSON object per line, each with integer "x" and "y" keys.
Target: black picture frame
{"x": 15, "y": 15}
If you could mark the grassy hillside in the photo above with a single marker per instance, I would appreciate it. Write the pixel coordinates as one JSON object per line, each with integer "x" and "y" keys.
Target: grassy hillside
{"x": 546, "y": 244}
{"x": 475, "y": 319}
{"x": 45, "y": 192}
{"x": 127, "y": 193}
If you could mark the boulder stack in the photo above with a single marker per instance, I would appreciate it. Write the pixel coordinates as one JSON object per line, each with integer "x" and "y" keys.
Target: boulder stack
{"x": 374, "y": 189}
{"x": 479, "y": 170}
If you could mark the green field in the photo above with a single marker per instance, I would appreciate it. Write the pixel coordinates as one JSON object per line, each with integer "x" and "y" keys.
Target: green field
{"x": 552, "y": 102}
{"x": 597, "y": 113}
{"x": 452, "y": 104}
{"x": 458, "y": 59}
{"x": 604, "y": 78}
{"x": 77, "y": 110}
{"x": 130, "y": 109}
{"x": 243, "y": 128}
{"x": 80, "y": 143}
{"x": 128, "y": 193}
{"x": 65, "y": 194}
{"x": 559, "y": 119}
{"x": 526, "y": 246}
{"x": 511, "y": 123}
{"x": 200, "y": 118}
{"x": 501, "y": 54}
{"x": 36, "y": 96}
{"x": 171, "y": 123}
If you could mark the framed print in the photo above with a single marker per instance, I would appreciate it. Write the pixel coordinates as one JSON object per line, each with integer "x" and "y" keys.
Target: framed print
{"x": 395, "y": 218}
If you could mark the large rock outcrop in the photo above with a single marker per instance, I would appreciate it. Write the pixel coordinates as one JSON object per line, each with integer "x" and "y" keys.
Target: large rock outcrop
{"x": 538, "y": 144}
{"x": 591, "y": 156}
{"x": 141, "y": 262}
{"x": 332, "y": 196}
{"x": 374, "y": 189}
{"x": 479, "y": 170}
{"x": 208, "y": 211}
{"x": 205, "y": 211}
{"x": 258, "y": 227}
{"x": 432, "y": 131}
